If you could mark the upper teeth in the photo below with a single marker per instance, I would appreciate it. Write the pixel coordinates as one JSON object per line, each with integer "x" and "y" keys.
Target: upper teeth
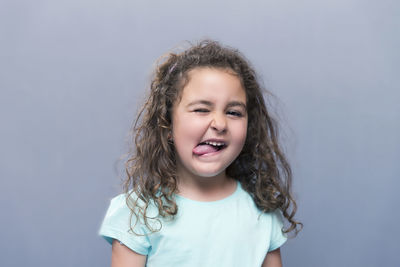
{"x": 214, "y": 143}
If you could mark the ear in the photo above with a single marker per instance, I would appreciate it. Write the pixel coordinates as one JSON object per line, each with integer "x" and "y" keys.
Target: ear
{"x": 169, "y": 137}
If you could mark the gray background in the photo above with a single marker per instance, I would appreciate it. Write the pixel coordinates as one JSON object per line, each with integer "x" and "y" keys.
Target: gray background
{"x": 73, "y": 72}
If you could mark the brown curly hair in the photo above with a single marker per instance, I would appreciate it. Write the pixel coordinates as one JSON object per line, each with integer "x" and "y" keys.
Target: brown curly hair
{"x": 261, "y": 167}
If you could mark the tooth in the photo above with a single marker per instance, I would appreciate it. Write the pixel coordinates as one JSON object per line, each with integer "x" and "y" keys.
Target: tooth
{"x": 214, "y": 143}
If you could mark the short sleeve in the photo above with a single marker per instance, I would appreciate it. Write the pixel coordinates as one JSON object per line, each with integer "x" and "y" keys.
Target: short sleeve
{"x": 278, "y": 238}
{"x": 116, "y": 225}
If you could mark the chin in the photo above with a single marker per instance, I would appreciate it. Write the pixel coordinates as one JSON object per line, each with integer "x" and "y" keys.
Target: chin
{"x": 209, "y": 172}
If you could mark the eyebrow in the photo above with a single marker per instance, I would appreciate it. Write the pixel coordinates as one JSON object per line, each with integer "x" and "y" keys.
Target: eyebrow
{"x": 208, "y": 103}
{"x": 237, "y": 103}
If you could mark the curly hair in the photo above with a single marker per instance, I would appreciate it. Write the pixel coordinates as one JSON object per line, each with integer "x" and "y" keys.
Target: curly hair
{"x": 261, "y": 167}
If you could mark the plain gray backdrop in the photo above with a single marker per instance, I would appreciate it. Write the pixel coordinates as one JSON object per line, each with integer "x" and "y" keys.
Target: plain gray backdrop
{"x": 72, "y": 74}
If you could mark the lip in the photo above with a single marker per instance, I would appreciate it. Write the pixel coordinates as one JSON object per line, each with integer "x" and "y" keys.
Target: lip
{"x": 216, "y": 140}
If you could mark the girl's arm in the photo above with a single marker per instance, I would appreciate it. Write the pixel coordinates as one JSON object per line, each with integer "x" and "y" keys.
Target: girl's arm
{"x": 122, "y": 256}
{"x": 273, "y": 259}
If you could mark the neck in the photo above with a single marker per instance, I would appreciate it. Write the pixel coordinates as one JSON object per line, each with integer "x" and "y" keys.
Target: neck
{"x": 201, "y": 188}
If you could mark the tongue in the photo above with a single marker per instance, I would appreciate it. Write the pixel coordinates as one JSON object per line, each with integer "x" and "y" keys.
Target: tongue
{"x": 204, "y": 149}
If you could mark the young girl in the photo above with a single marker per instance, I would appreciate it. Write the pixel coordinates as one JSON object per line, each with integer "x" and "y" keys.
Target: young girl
{"x": 207, "y": 183}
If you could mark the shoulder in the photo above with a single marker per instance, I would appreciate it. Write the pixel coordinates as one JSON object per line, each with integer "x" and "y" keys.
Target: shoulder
{"x": 278, "y": 237}
{"x": 271, "y": 223}
{"x": 123, "y": 205}
{"x": 122, "y": 224}
{"x": 117, "y": 203}
{"x": 118, "y": 213}
{"x": 275, "y": 215}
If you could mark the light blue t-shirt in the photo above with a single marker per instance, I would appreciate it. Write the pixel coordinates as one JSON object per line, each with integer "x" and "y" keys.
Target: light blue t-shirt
{"x": 228, "y": 232}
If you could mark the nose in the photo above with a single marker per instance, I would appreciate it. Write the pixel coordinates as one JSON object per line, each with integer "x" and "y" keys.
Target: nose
{"x": 218, "y": 123}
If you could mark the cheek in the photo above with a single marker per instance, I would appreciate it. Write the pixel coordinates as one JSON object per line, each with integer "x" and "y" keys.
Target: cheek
{"x": 241, "y": 132}
{"x": 186, "y": 133}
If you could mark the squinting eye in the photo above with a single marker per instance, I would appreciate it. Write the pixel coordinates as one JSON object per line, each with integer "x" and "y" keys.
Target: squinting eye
{"x": 201, "y": 110}
{"x": 235, "y": 113}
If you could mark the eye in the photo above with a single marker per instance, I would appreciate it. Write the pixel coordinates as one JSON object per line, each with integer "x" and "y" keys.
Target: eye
{"x": 235, "y": 113}
{"x": 201, "y": 110}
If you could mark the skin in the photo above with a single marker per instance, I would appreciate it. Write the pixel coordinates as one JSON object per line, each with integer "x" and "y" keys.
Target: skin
{"x": 273, "y": 259}
{"x": 212, "y": 106}
{"x": 122, "y": 256}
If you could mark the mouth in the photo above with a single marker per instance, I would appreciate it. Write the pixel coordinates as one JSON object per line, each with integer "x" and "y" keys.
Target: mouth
{"x": 208, "y": 147}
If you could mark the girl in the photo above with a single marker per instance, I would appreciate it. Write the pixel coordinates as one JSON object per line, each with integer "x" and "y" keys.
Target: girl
{"x": 207, "y": 184}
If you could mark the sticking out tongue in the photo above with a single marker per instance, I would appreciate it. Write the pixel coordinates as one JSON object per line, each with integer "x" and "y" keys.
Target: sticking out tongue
{"x": 204, "y": 149}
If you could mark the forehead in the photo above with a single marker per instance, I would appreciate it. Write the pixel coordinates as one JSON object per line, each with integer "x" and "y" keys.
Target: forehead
{"x": 213, "y": 83}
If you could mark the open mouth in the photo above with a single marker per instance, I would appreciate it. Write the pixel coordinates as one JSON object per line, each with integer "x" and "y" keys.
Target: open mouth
{"x": 208, "y": 147}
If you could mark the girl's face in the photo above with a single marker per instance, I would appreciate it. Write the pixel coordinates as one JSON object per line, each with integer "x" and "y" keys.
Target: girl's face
{"x": 209, "y": 123}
